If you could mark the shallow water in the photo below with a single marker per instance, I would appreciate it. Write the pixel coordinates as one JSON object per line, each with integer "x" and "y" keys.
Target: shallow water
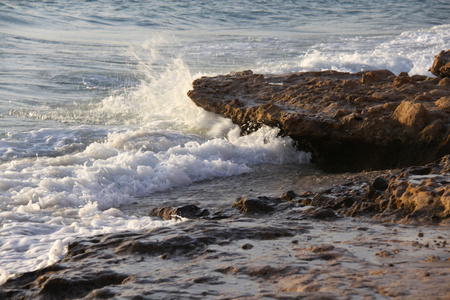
{"x": 96, "y": 127}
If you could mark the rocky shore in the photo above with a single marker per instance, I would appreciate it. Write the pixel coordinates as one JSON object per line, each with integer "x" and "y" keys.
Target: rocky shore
{"x": 294, "y": 246}
{"x": 371, "y": 234}
{"x": 349, "y": 122}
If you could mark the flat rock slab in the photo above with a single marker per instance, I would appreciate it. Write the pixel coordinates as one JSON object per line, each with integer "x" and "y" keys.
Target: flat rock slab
{"x": 348, "y": 121}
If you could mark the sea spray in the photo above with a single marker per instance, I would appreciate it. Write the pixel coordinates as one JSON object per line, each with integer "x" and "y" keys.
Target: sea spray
{"x": 73, "y": 181}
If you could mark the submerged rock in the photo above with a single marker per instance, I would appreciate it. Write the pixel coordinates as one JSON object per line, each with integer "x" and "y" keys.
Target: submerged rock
{"x": 349, "y": 122}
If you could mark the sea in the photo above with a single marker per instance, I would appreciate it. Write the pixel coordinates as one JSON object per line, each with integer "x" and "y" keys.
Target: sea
{"x": 96, "y": 128}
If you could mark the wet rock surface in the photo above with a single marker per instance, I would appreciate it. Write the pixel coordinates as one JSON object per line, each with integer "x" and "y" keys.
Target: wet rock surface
{"x": 187, "y": 211}
{"x": 287, "y": 253}
{"x": 349, "y": 122}
{"x": 415, "y": 194}
{"x": 300, "y": 245}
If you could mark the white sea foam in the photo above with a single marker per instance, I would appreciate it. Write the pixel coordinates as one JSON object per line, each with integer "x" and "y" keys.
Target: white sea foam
{"x": 58, "y": 184}
{"x": 48, "y": 201}
{"x": 410, "y": 51}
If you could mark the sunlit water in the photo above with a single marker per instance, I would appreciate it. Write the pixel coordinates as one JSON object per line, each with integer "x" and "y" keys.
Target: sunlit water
{"x": 95, "y": 121}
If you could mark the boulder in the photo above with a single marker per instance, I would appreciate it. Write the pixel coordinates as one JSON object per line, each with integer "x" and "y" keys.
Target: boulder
{"x": 412, "y": 114}
{"x": 347, "y": 121}
{"x": 441, "y": 64}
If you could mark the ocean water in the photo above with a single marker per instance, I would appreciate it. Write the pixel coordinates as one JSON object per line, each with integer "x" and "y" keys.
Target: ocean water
{"x": 94, "y": 116}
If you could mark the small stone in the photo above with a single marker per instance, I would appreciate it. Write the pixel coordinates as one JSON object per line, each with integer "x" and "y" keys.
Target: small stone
{"x": 247, "y": 246}
{"x": 384, "y": 253}
{"x": 256, "y": 205}
{"x": 322, "y": 248}
{"x": 236, "y": 102}
{"x": 420, "y": 234}
{"x": 433, "y": 258}
{"x": 289, "y": 195}
{"x": 324, "y": 213}
{"x": 401, "y": 79}
{"x": 187, "y": 211}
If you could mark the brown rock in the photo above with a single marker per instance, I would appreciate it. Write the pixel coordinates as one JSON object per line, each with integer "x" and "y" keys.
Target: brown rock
{"x": 441, "y": 64}
{"x": 348, "y": 122}
{"x": 376, "y": 76}
{"x": 416, "y": 194}
{"x": 412, "y": 114}
{"x": 401, "y": 79}
{"x": 445, "y": 81}
{"x": 417, "y": 78}
{"x": 444, "y": 102}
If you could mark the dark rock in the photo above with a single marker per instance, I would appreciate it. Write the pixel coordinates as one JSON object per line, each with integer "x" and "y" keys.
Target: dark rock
{"x": 349, "y": 122}
{"x": 289, "y": 196}
{"x": 139, "y": 254}
{"x": 186, "y": 211}
{"x": 247, "y": 246}
{"x": 260, "y": 205}
{"x": 441, "y": 64}
{"x": 322, "y": 213}
{"x": 422, "y": 170}
{"x": 380, "y": 184}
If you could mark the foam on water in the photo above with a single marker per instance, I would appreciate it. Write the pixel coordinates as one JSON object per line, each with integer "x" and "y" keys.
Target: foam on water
{"x": 81, "y": 135}
{"x": 48, "y": 200}
{"x": 78, "y": 177}
{"x": 411, "y": 52}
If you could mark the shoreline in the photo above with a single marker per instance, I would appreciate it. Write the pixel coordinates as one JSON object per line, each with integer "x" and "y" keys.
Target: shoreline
{"x": 278, "y": 248}
{"x": 374, "y": 235}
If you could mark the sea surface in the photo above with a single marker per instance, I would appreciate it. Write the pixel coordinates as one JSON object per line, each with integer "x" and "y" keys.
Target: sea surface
{"x": 96, "y": 128}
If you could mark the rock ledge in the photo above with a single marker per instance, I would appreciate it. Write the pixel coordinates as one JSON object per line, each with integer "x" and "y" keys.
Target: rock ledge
{"x": 348, "y": 121}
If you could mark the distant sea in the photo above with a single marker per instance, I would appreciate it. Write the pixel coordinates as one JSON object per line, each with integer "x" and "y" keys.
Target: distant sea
{"x": 95, "y": 125}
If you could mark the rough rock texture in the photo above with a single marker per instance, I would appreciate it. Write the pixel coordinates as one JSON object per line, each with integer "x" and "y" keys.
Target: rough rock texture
{"x": 279, "y": 255}
{"x": 187, "y": 211}
{"x": 415, "y": 194}
{"x": 349, "y": 122}
{"x": 256, "y": 205}
{"x": 441, "y": 64}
